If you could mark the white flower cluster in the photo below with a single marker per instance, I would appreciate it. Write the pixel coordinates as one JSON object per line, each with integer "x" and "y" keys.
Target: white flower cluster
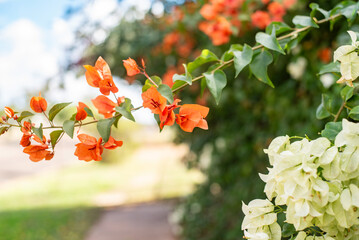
{"x": 316, "y": 181}
{"x": 348, "y": 57}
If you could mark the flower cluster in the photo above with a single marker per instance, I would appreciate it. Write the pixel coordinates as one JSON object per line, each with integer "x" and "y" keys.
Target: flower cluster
{"x": 348, "y": 57}
{"x": 38, "y": 147}
{"x": 317, "y": 182}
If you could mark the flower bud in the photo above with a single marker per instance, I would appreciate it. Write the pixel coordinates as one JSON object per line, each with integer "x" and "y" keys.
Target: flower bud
{"x": 9, "y": 112}
{"x": 38, "y": 104}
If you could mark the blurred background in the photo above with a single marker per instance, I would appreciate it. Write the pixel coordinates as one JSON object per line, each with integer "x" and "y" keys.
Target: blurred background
{"x": 189, "y": 186}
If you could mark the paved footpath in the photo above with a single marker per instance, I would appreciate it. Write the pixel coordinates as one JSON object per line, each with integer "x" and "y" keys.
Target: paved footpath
{"x": 147, "y": 221}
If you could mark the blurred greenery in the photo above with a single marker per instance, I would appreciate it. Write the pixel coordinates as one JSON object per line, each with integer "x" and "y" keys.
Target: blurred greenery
{"x": 250, "y": 114}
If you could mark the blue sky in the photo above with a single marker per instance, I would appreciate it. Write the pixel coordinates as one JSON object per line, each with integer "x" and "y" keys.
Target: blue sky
{"x": 33, "y": 36}
{"x": 41, "y": 12}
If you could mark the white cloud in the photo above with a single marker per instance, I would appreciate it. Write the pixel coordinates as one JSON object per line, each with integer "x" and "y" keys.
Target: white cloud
{"x": 25, "y": 63}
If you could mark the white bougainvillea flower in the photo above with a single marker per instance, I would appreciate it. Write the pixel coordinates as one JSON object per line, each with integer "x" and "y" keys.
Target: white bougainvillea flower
{"x": 349, "y": 134}
{"x": 258, "y": 213}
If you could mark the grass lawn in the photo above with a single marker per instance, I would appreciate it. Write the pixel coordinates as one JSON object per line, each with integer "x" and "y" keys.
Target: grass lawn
{"x": 64, "y": 204}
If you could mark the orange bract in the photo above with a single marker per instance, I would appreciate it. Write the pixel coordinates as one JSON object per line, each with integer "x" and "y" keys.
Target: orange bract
{"x": 153, "y": 100}
{"x": 100, "y": 76}
{"x": 9, "y": 112}
{"x": 260, "y": 19}
{"x": 37, "y": 152}
{"x": 131, "y": 67}
{"x": 104, "y": 105}
{"x": 89, "y": 149}
{"x": 191, "y": 116}
{"x": 167, "y": 116}
{"x": 38, "y": 104}
{"x": 81, "y": 113}
{"x": 112, "y": 143}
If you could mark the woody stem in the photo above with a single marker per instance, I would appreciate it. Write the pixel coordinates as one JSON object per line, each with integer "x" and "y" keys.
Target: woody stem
{"x": 48, "y": 119}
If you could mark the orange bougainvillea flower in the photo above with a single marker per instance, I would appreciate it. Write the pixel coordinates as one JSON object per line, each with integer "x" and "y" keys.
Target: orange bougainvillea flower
{"x": 153, "y": 100}
{"x": 325, "y": 55}
{"x": 112, "y": 144}
{"x": 39, "y": 152}
{"x": 208, "y": 11}
{"x": 100, "y": 76}
{"x": 26, "y": 130}
{"x": 191, "y": 116}
{"x": 38, "y": 104}
{"x": 218, "y": 30}
{"x": 89, "y": 149}
{"x": 277, "y": 11}
{"x": 167, "y": 117}
{"x": 81, "y": 113}
{"x": 9, "y": 112}
{"x": 105, "y": 106}
{"x": 260, "y": 19}
{"x": 131, "y": 67}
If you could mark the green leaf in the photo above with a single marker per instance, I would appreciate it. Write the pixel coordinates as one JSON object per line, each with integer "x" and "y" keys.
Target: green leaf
{"x": 242, "y": 58}
{"x": 149, "y": 84}
{"x": 288, "y": 230}
{"x": 205, "y": 57}
{"x": 117, "y": 119}
{"x": 304, "y": 21}
{"x": 177, "y": 85}
{"x": 354, "y": 113}
{"x": 346, "y": 93}
{"x": 89, "y": 112}
{"x": 56, "y": 109}
{"x": 3, "y": 130}
{"x": 330, "y": 68}
{"x": 38, "y": 131}
{"x": 315, "y": 7}
{"x": 54, "y": 136}
{"x": 125, "y": 109}
{"x": 216, "y": 81}
{"x": 322, "y": 111}
{"x": 331, "y": 130}
{"x": 184, "y": 77}
{"x": 104, "y": 128}
{"x": 278, "y": 27}
{"x": 259, "y": 66}
{"x": 269, "y": 41}
{"x": 348, "y": 9}
{"x": 69, "y": 127}
{"x": 23, "y": 115}
{"x": 166, "y": 91}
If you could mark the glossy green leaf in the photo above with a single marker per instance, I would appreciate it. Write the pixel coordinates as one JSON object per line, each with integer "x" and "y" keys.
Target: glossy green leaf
{"x": 23, "y": 115}
{"x": 38, "y": 131}
{"x": 259, "y": 66}
{"x": 89, "y": 112}
{"x": 205, "y": 57}
{"x": 104, "y": 128}
{"x": 242, "y": 58}
{"x": 69, "y": 127}
{"x": 149, "y": 84}
{"x": 315, "y": 7}
{"x": 354, "y": 113}
{"x": 346, "y": 93}
{"x": 178, "y": 85}
{"x": 330, "y": 68}
{"x": 304, "y": 21}
{"x": 323, "y": 110}
{"x": 166, "y": 91}
{"x": 288, "y": 230}
{"x": 349, "y": 10}
{"x": 278, "y": 27}
{"x": 54, "y": 136}
{"x": 186, "y": 77}
{"x": 269, "y": 41}
{"x": 125, "y": 109}
{"x": 117, "y": 119}
{"x": 216, "y": 81}
{"x": 331, "y": 130}
{"x": 56, "y": 109}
